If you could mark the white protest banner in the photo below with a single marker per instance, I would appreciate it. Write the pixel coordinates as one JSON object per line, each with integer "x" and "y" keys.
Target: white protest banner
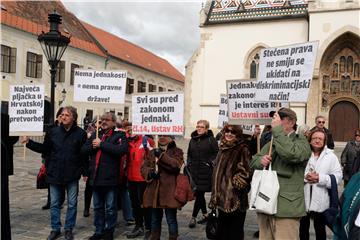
{"x": 242, "y": 108}
{"x": 158, "y": 113}
{"x": 93, "y": 86}
{"x": 223, "y": 116}
{"x": 223, "y": 111}
{"x": 26, "y": 110}
{"x": 285, "y": 73}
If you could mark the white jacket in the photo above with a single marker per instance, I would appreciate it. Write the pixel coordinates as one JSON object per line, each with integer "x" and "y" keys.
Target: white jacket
{"x": 326, "y": 164}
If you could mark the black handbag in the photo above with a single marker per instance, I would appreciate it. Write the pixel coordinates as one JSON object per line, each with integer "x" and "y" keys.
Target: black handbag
{"x": 212, "y": 226}
{"x": 331, "y": 213}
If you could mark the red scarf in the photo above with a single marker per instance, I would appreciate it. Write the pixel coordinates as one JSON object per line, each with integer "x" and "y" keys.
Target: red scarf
{"x": 98, "y": 154}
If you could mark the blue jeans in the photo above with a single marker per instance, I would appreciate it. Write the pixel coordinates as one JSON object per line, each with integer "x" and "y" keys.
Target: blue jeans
{"x": 126, "y": 204}
{"x": 156, "y": 218}
{"x": 72, "y": 189}
{"x": 105, "y": 208}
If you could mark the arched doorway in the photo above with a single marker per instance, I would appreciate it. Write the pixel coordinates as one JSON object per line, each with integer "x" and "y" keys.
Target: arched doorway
{"x": 340, "y": 70}
{"x": 344, "y": 118}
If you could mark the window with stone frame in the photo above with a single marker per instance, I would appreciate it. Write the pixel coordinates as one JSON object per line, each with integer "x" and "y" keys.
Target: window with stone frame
{"x": 8, "y": 59}
{"x": 129, "y": 85}
{"x": 141, "y": 87}
{"x": 33, "y": 65}
{"x": 161, "y": 89}
{"x": 73, "y": 66}
{"x": 60, "y": 72}
{"x": 152, "y": 88}
{"x": 254, "y": 66}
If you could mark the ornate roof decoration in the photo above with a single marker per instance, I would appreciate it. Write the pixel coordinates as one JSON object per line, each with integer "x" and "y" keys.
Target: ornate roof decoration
{"x": 224, "y": 11}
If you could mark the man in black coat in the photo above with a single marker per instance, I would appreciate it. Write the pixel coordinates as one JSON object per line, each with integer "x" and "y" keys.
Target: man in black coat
{"x": 320, "y": 124}
{"x": 7, "y": 169}
{"x": 104, "y": 170}
{"x": 65, "y": 166}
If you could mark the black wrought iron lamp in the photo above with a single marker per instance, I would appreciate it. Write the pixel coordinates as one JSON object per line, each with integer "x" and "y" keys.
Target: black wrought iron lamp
{"x": 53, "y": 43}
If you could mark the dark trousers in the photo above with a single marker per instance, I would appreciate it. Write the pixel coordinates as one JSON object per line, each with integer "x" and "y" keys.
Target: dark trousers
{"x": 156, "y": 218}
{"x": 231, "y": 225}
{"x": 200, "y": 203}
{"x": 319, "y": 225}
{"x": 105, "y": 208}
{"x": 136, "y": 191}
{"x": 5, "y": 211}
{"x": 87, "y": 195}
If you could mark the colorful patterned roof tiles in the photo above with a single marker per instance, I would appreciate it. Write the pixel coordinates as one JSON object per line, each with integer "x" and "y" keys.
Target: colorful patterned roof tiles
{"x": 223, "y": 11}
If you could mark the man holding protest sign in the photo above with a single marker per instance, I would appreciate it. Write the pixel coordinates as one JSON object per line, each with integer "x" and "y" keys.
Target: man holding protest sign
{"x": 65, "y": 166}
{"x": 105, "y": 151}
{"x": 288, "y": 158}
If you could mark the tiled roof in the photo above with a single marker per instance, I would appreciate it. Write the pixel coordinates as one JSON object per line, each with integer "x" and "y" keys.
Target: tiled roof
{"x": 32, "y": 17}
{"x": 225, "y": 11}
{"x": 133, "y": 54}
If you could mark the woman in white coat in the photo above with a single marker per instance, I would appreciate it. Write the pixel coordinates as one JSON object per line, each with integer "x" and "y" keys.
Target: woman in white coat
{"x": 322, "y": 163}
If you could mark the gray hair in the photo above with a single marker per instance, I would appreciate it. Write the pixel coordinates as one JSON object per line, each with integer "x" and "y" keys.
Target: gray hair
{"x": 71, "y": 110}
{"x": 111, "y": 114}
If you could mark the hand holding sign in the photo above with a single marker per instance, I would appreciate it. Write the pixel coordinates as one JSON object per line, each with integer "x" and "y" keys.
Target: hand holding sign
{"x": 24, "y": 139}
{"x": 96, "y": 143}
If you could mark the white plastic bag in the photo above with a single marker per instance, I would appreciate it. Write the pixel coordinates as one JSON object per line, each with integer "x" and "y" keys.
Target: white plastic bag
{"x": 264, "y": 191}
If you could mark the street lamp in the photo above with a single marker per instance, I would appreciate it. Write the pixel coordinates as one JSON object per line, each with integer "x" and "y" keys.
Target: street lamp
{"x": 53, "y": 43}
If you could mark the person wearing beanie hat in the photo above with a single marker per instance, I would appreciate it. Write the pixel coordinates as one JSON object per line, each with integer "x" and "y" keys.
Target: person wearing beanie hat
{"x": 288, "y": 158}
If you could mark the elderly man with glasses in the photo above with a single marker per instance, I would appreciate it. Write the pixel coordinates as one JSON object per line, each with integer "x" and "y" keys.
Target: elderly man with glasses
{"x": 290, "y": 154}
{"x": 105, "y": 151}
{"x": 320, "y": 124}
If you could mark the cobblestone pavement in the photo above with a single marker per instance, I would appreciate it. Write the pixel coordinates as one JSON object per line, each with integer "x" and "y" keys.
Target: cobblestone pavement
{"x": 28, "y": 221}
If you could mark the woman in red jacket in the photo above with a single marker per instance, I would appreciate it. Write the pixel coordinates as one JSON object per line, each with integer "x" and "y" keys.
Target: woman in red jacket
{"x": 139, "y": 146}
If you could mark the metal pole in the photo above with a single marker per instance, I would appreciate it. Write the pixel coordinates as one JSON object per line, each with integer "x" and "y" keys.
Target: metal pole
{"x": 52, "y": 93}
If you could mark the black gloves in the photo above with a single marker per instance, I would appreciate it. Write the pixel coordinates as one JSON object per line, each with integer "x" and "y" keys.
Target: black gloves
{"x": 154, "y": 175}
{"x": 157, "y": 152}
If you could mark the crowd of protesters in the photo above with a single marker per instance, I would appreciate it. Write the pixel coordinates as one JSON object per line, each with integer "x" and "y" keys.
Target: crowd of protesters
{"x": 121, "y": 168}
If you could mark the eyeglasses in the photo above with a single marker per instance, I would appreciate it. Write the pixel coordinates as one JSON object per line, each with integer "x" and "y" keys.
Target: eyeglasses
{"x": 357, "y": 135}
{"x": 230, "y": 131}
{"x": 321, "y": 122}
{"x": 317, "y": 138}
{"x": 106, "y": 119}
{"x": 200, "y": 126}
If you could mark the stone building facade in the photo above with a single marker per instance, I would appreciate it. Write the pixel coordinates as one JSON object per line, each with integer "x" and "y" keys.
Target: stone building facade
{"x": 234, "y": 31}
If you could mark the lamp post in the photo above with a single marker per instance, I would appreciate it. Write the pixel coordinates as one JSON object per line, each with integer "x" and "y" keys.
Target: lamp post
{"x": 53, "y": 44}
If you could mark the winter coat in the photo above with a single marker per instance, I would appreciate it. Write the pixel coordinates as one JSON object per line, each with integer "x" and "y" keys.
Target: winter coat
{"x": 344, "y": 227}
{"x": 348, "y": 157}
{"x": 317, "y": 198}
{"x": 160, "y": 193}
{"x": 7, "y": 147}
{"x": 139, "y": 146}
{"x": 290, "y": 155}
{"x": 231, "y": 178}
{"x": 106, "y": 173}
{"x": 201, "y": 154}
{"x": 65, "y": 162}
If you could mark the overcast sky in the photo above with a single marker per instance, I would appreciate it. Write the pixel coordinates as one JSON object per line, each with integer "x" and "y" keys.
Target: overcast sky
{"x": 169, "y": 29}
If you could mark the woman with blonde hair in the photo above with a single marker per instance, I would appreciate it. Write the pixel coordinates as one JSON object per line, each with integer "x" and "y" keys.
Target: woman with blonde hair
{"x": 202, "y": 152}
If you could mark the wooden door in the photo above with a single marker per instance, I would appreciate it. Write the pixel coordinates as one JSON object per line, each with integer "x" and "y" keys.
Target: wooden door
{"x": 343, "y": 120}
